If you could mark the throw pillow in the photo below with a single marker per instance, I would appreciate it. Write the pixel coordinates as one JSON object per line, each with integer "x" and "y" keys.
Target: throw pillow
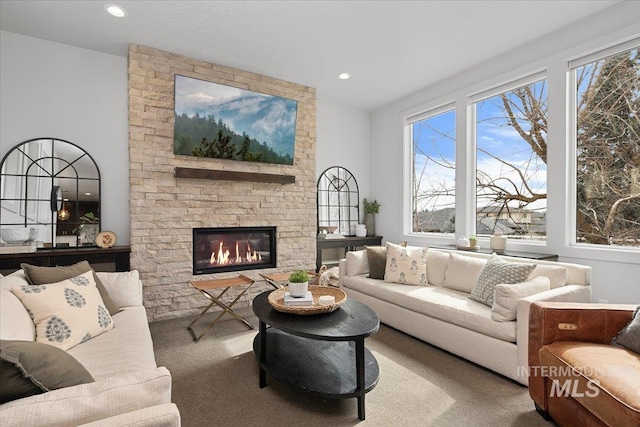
{"x": 66, "y": 313}
{"x": 462, "y": 272}
{"x": 37, "y": 275}
{"x": 629, "y": 336}
{"x": 505, "y": 297}
{"x": 558, "y": 275}
{"x": 28, "y": 368}
{"x": 437, "y": 263}
{"x": 406, "y": 265}
{"x": 357, "y": 263}
{"x": 496, "y": 271}
{"x": 377, "y": 257}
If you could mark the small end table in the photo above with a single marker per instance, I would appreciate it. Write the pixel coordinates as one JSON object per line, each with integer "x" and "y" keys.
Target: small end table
{"x": 205, "y": 287}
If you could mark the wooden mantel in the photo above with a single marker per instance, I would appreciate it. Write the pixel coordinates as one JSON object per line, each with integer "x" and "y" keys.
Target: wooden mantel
{"x": 224, "y": 175}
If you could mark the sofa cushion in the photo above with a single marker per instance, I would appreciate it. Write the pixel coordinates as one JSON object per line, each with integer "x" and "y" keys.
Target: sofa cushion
{"x": 66, "y": 313}
{"x": 406, "y": 265}
{"x": 445, "y": 304}
{"x": 28, "y": 368}
{"x": 495, "y": 271}
{"x": 505, "y": 299}
{"x": 437, "y": 264}
{"x": 629, "y": 336}
{"x": 15, "y": 322}
{"x": 462, "y": 272}
{"x": 556, "y": 274}
{"x": 357, "y": 262}
{"x": 124, "y": 287}
{"x": 37, "y": 275}
{"x": 606, "y": 376}
{"x": 84, "y": 403}
{"x": 377, "y": 260}
{"x": 128, "y": 345}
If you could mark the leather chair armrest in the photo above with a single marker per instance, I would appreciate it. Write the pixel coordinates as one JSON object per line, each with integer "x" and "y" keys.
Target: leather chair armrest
{"x": 557, "y": 321}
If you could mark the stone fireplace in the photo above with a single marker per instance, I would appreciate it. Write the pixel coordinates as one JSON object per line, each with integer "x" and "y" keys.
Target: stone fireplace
{"x": 165, "y": 206}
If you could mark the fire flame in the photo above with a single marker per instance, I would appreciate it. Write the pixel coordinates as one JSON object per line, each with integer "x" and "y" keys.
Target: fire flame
{"x": 222, "y": 257}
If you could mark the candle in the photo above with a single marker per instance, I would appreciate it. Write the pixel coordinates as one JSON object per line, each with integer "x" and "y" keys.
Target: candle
{"x": 326, "y": 300}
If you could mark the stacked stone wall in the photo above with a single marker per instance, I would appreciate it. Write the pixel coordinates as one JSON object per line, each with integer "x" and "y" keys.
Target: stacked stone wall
{"x": 164, "y": 209}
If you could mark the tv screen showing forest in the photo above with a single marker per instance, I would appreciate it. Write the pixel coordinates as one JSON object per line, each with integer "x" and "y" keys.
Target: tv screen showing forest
{"x": 224, "y": 122}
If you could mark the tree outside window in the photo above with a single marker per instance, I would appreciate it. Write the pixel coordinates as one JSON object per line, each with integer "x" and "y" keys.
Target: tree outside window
{"x": 608, "y": 151}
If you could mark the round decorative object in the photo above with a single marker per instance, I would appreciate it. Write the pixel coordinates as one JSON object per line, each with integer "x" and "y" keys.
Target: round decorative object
{"x": 276, "y": 299}
{"x": 106, "y": 239}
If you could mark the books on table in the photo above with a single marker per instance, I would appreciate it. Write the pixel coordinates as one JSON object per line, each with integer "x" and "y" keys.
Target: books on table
{"x": 307, "y": 299}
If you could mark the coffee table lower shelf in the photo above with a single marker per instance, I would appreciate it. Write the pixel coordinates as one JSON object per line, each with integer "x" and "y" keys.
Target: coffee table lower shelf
{"x": 323, "y": 368}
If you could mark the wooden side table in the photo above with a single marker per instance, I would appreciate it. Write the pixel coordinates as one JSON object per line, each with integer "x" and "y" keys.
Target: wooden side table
{"x": 206, "y": 287}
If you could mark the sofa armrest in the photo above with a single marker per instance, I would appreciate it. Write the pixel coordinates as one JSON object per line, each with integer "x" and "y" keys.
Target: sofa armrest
{"x": 342, "y": 271}
{"x": 166, "y": 415}
{"x": 561, "y": 321}
{"x": 89, "y": 402}
{"x": 125, "y": 289}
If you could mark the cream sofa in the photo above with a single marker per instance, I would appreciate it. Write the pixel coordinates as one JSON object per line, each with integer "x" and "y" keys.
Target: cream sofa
{"x": 129, "y": 388}
{"x": 442, "y": 314}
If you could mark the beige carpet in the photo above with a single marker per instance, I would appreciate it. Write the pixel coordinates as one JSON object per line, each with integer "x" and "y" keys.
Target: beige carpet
{"x": 215, "y": 383}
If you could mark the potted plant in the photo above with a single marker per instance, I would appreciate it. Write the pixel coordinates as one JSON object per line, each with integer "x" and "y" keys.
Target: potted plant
{"x": 370, "y": 210}
{"x": 473, "y": 242}
{"x": 88, "y": 229}
{"x": 298, "y": 283}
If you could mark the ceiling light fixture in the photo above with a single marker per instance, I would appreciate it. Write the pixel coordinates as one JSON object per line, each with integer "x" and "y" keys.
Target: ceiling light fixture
{"x": 115, "y": 10}
{"x": 344, "y": 76}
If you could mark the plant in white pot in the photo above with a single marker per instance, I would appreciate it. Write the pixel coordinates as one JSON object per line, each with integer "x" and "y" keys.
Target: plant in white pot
{"x": 298, "y": 283}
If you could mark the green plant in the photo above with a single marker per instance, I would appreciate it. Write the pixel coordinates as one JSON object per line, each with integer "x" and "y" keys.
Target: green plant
{"x": 472, "y": 238}
{"x": 299, "y": 276}
{"x": 88, "y": 218}
{"x": 371, "y": 207}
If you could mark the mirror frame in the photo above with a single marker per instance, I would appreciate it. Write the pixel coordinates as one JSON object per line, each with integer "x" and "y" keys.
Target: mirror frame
{"x": 338, "y": 200}
{"x": 49, "y": 179}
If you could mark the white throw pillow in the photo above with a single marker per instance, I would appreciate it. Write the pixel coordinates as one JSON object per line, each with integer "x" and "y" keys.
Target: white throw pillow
{"x": 406, "y": 265}
{"x": 505, "y": 297}
{"x": 437, "y": 263}
{"x": 66, "y": 313}
{"x": 357, "y": 263}
{"x": 557, "y": 274}
{"x": 124, "y": 288}
{"x": 462, "y": 272}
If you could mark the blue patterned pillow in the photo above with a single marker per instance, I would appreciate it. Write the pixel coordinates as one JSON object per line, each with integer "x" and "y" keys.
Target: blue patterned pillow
{"x": 498, "y": 271}
{"x": 66, "y": 313}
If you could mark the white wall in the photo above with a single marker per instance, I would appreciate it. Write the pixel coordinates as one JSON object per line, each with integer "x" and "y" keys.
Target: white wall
{"x": 616, "y": 274}
{"x": 343, "y": 140}
{"x": 55, "y": 90}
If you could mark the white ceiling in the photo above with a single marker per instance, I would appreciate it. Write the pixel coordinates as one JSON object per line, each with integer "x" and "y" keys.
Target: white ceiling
{"x": 391, "y": 48}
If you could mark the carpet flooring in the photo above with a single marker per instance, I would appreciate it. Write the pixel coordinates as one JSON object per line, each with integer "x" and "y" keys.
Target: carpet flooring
{"x": 215, "y": 383}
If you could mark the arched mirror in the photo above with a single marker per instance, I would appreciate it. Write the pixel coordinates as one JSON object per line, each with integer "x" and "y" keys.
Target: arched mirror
{"x": 338, "y": 201}
{"x": 53, "y": 186}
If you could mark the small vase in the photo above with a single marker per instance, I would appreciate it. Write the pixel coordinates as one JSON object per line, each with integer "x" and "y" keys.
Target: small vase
{"x": 361, "y": 230}
{"x": 370, "y": 222}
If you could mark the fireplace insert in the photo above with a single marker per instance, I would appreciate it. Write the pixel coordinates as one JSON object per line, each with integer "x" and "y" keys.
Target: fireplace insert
{"x": 222, "y": 249}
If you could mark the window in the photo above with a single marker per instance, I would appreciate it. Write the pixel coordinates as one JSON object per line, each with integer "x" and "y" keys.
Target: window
{"x": 433, "y": 140}
{"x": 511, "y": 157}
{"x": 608, "y": 150}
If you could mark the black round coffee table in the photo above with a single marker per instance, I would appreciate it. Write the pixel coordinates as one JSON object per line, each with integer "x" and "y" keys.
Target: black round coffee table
{"x": 323, "y": 354}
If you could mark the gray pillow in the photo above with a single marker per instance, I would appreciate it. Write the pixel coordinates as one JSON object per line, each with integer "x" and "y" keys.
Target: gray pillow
{"x": 377, "y": 257}
{"x": 629, "y": 336}
{"x": 498, "y": 271}
{"x": 28, "y": 368}
{"x": 37, "y": 275}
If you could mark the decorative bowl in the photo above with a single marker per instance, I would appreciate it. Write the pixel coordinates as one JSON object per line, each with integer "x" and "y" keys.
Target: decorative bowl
{"x": 18, "y": 235}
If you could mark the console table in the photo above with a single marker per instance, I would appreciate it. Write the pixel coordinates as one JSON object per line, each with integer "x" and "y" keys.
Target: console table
{"x": 115, "y": 258}
{"x": 350, "y": 243}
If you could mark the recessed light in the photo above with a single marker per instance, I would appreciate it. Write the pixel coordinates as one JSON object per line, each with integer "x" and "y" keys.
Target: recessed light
{"x": 115, "y": 10}
{"x": 87, "y": 194}
{"x": 344, "y": 76}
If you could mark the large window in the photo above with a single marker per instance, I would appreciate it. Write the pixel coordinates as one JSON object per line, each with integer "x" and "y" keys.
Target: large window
{"x": 433, "y": 193}
{"x": 608, "y": 150}
{"x": 511, "y": 162}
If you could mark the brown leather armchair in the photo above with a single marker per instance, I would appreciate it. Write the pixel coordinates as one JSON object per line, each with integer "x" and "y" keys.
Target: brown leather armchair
{"x": 576, "y": 377}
